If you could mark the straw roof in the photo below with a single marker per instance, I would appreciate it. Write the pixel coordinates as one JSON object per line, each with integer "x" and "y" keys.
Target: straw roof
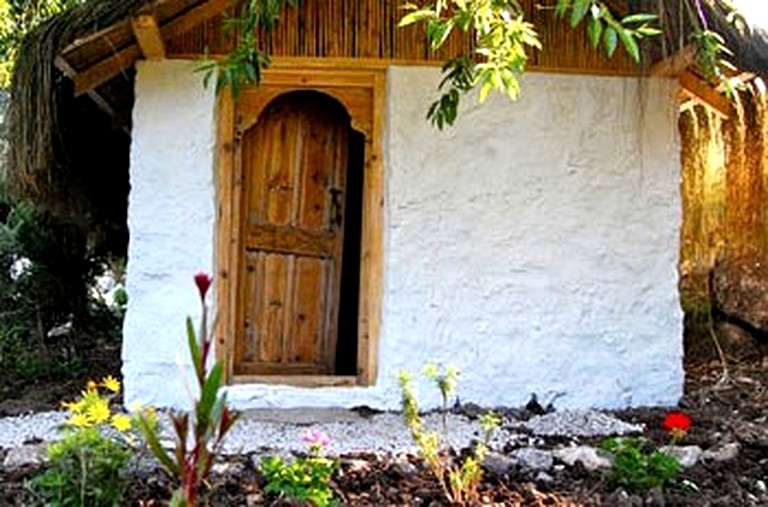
{"x": 70, "y": 153}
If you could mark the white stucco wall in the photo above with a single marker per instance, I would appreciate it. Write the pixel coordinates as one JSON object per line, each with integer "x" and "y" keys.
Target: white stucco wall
{"x": 534, "y": 245}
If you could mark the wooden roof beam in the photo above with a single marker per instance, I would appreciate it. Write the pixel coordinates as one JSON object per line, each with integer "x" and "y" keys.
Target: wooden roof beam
{"x": 693, "y": 87}
{"x": 675, "y": 64}
{"x": 117, "y": 62}
{"x": 148, "y": 36}
{"x": 95, "y": 96}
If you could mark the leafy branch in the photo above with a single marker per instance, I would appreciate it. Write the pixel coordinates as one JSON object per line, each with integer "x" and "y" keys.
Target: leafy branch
{"x": 504, "y": 41}
{"x": 243, "y": 65}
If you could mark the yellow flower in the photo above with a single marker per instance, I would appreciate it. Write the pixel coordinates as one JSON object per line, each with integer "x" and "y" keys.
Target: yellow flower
{"x": 135, "y": 407}
{"x": 111, "y": 384}
{"x": 81, "y": 420}
{"x": 91, "y": 385}
{"x": 121, "y": 422}
{"x": 99, "y": 411}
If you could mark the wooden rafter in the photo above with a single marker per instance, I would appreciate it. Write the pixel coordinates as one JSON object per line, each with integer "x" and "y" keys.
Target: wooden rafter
{"x": 675, "y": 64}
{"x": 117, "y": 62}
{"x": 147, "y": 32}
{"x": 693, "y": 87}
{"x": 97, "y": 98}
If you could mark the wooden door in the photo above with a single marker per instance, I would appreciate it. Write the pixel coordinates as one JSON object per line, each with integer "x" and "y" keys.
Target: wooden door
{"x": 294, "y": 161}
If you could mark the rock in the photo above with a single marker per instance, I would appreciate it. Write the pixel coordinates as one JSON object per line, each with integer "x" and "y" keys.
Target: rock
{"x": 470, "y": 410}
{"x": 535, "y": 459}
{"x": 544, "y": 477}
{"x": 499, "y": 464}
{"x": 737, "y": 343}
{"x": 687, "y": 455}
{"x": 587, "y": 423}
{"x": 26, "y": 455}
{"x": 725, "y": 452}
{"x": 403, "y": 467}
{"x": 740, "y": 292}
{"x": 761, "y": 487}
{"x": 588, "y": 457}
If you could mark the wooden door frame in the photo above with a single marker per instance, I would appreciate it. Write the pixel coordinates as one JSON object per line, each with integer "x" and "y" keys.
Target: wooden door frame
{"x": 350, "y": 86}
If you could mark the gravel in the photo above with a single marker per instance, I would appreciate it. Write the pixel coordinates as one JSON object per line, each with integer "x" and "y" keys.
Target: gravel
{"x": 349, "y": 432}
{"x": 589, "y": 423}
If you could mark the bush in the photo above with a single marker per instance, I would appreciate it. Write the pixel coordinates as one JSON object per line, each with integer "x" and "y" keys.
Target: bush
{"x": 85, "y": 467}
{"x": 49, "y": 320}
{"x": 638, "y": 469}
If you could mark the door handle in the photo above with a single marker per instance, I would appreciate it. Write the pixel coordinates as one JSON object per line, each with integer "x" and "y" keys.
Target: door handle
{"x": 336, "y": 207}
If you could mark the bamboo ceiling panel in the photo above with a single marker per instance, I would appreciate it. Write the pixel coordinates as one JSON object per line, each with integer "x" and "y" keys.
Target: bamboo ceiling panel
{"x": 369, "y": 29}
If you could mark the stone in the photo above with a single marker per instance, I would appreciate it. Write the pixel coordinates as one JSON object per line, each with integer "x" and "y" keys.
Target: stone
{"x": 761, "y": 487}
{"x": 687, "y": 455}
{"x": 499, "y": 464}
{"x": 24, "y": 456}
{"x": 740, "y": 292}
{"x": 544, "y": 477}
{"x": 580, "y": 423}
{"x": 725, "y": 452}
{"x": 585, "y": 454}
{"x": 535, "y": 459}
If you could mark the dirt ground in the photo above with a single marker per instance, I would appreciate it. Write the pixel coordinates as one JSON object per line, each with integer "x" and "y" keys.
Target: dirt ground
{"x": 734, "y": 411}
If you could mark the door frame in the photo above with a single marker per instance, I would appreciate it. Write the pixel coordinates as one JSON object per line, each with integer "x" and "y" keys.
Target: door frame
{"x": 362, "y": 92}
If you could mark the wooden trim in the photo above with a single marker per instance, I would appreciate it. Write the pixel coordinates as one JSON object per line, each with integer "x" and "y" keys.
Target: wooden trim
{"x": 114, "y": 64}
{"x": 344, "y": 84}
{"x": 693, "y": 87}
{"x": 297, "y": 380}
{"x": 226, "y": 235}
{"x": 675, "y": 64}
{"x": 148, "y": 36}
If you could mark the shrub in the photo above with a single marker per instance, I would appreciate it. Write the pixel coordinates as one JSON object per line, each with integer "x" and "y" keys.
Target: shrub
{"x": 637, "y": 469}
{"x": 212, "y": 419}
{"x": 459, "y": 481}
{"x": 306, "y": 479}
{"x": 48, "y": 318}
{"x": 85, "y": 466}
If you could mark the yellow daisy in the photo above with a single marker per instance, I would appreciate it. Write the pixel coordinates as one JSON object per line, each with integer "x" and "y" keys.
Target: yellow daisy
{"x": 91, "y": 385}
{"x": 111, "y": 384}
{"x": 99, "y": 411}
{"x": 121, "y": 422}
{"x": 80, "y": 421}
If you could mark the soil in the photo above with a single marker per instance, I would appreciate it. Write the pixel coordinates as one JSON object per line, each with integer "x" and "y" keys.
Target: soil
{"x": 732, "y": 411}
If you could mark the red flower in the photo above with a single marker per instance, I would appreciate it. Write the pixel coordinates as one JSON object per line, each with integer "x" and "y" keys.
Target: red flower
{"x": 203, "y": 282}
{"x": 677, "y": 424}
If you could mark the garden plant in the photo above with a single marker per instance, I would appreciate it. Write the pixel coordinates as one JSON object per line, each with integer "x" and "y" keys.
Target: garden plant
{"x": 198, "y": 436}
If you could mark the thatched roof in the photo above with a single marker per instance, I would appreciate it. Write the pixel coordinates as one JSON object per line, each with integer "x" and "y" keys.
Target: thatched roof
{"x": 67, "y": 152}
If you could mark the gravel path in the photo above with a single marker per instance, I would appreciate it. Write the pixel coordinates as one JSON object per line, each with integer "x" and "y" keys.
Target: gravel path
{"x": 282, "y": 430}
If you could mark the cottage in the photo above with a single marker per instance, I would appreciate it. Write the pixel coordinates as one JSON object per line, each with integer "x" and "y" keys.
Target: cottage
{"x": 534, "y": 245}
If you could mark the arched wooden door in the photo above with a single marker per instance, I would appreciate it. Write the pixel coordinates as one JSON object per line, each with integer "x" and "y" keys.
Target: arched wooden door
{"x": 294, "y": 162}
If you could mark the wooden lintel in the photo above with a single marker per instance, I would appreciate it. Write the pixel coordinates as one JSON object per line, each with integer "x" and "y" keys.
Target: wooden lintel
{"x": 697, "y": 89}
{"x": 675, "y": 64}
{"x": 148, "y": 36}
{"x": 117, "y": 62}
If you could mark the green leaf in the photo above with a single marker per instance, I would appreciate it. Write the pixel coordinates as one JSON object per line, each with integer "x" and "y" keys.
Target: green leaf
{"x": 595, "y": 31}
{"x": 561, "y": 8}
{"x": 610, "y": 39}
{"x": 415, "y": 17}
{"x": 628, "y": 40}
{"x": 155, "y": 447}
{"x": 579, "y": 10}
{"x": 640, "y": 17}
{"x": 194, "y": 349}
{"x": 208, "y": 395}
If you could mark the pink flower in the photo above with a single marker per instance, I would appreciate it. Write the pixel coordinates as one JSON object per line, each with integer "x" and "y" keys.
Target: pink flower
{"x": 317, "y": 440}
{"x": 203, "y": 282}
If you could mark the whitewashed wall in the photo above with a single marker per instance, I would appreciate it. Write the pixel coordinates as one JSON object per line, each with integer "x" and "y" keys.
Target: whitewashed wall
{"x": 534, "y": 245}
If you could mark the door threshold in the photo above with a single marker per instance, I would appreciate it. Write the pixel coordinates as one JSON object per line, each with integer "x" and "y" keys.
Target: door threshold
{"x": 298, "y": 380}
